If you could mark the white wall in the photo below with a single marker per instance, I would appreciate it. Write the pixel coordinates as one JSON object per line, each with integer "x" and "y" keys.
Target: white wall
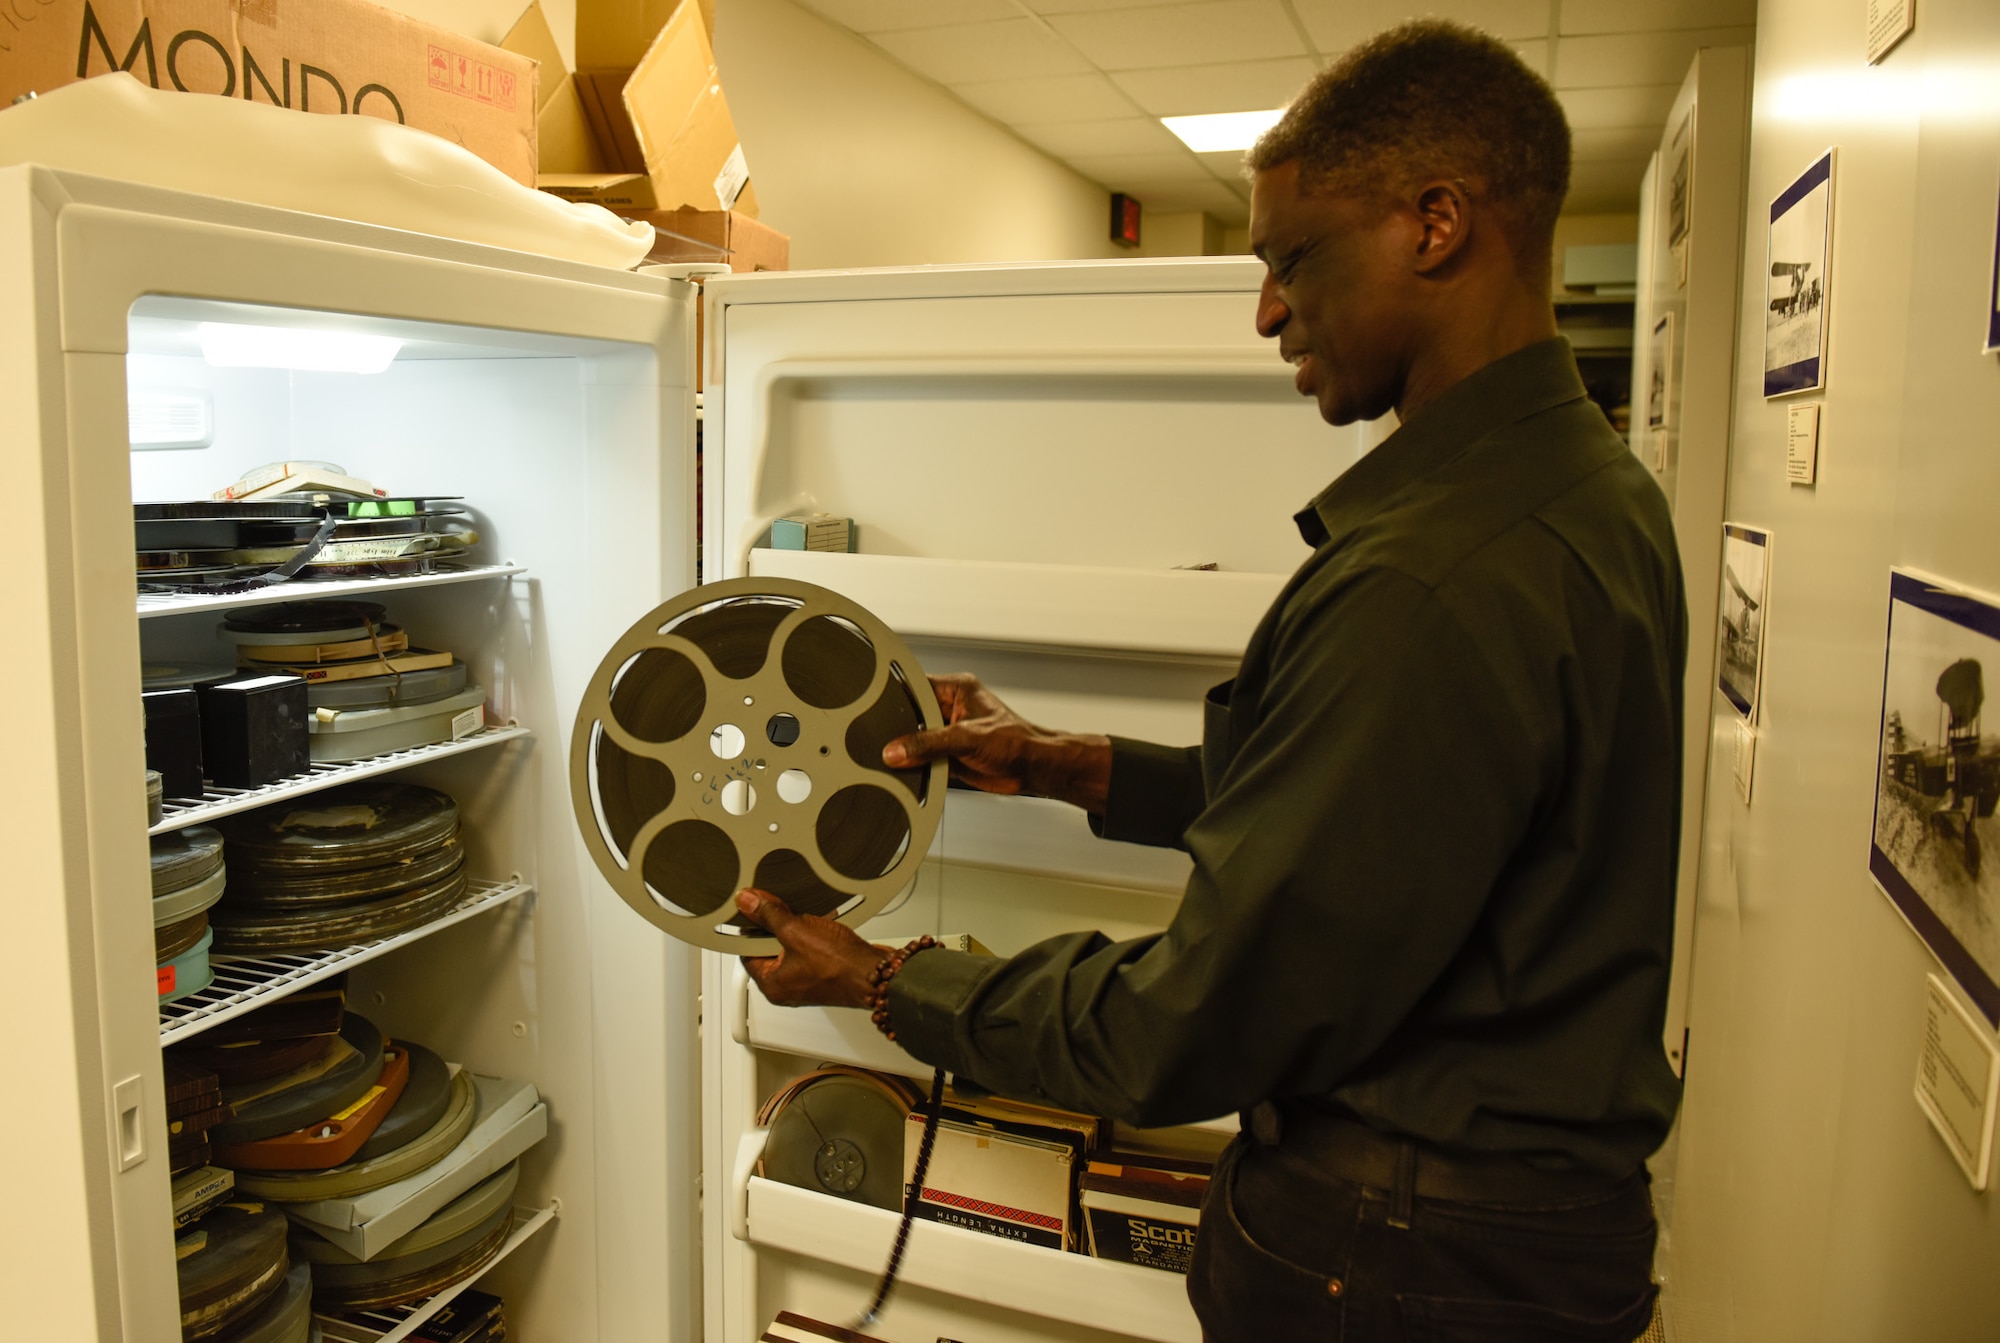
{"x": 865, "y": 164}
{"x": 1814, "y": 1202}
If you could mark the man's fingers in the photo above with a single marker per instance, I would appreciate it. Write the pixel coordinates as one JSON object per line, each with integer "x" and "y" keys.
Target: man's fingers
{"x": 922, "y": 747}
{"x": 767, "y": 911}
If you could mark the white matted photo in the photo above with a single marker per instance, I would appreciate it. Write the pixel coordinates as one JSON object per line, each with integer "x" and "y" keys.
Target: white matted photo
{"x": 1935, "y": 850}
{"x": 1660, "y": 373}
{"x": 1796, "y": 292}
{"x": 1746, "y": 579}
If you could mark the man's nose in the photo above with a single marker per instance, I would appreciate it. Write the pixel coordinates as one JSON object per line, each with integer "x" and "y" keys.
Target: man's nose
{"x": 1272, "y": 312}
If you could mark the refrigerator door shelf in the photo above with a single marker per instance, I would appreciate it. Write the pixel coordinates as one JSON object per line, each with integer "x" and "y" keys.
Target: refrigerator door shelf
{"x": 1117, "y": 1299}
{"x": 1183, "y": 612}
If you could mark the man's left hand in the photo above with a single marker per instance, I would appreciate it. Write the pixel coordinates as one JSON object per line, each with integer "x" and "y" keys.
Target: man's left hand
{"x": 822, "y": 963}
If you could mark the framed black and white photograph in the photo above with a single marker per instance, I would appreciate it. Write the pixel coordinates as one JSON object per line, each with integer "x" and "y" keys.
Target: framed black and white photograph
{"x": 1680, "y": 182}
{"x": 1993, "y": 294}
{"x": 1935, "y": 850}
{"x": 1746, "y": 580}
{"x": 1660, "y": 373}
{"x": 1796, "y": 291}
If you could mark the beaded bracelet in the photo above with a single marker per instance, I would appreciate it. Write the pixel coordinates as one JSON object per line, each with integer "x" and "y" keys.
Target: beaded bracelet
{"x": 878, "y": 982}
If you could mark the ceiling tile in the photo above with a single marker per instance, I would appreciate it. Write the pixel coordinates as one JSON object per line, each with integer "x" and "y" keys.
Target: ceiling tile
{"x": 1626, "y": 16}
{"x": 1608, "y": 60}
{"x": 1608, "y": 109}
{"x": 1535, "y": 54}
{"x": 1630, "y": 142}
{"x": 971, "y": 52}
{"x": 1020, "y": 102}
{"x": 1238, "y": 86}
{"x": 1126, "y": 135}
{"x": 1605, "y": 188}
{"x": 1197, "y": 34}
{"x": 1123, "y": 171}
{"x": 1228, "y": 166}
{"x": 876, "y": 16}
{"x": 1336, "y": 25}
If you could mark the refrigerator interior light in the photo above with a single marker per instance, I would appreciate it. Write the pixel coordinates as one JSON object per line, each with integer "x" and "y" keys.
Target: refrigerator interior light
{"x": 1219, "y": 132}
{"x": 233, "y": 345}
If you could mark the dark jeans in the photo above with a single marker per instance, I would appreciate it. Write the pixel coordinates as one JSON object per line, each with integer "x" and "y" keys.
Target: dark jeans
{"x": 1287, "y": 1252}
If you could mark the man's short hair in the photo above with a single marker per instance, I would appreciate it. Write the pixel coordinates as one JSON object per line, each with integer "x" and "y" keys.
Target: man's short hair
{"x": 1426, "y": 101}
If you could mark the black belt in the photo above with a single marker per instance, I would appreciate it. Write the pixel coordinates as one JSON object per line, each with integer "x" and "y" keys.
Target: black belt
{"x": 1409, "y": 1168}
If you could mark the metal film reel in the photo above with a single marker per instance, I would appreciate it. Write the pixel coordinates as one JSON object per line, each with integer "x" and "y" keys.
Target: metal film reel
{"x": 734, "y": 738}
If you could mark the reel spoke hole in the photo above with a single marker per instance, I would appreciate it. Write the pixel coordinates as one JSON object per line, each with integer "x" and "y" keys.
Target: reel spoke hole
{"x": 727, "y": 741}
{"x": 783, "y": 729}
{"x": 738, "y": 797}
{"x": 795, "y": 785}
{"x": 658, "y": 696}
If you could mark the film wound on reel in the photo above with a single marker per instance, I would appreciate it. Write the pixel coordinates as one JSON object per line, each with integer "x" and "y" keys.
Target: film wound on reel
{"x": 733, "y": 738}
{"x": 839, "y": 1131}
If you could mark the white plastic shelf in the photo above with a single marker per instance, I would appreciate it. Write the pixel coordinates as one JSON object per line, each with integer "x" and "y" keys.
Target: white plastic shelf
{"x": 1191, "y": 613}
{"x": 180, "y": 813}
{"x": 183, "y": 603}
{"x": 397, "y": 1322}
{"x": 1077, "y": 1289}
{"x": 245, "y": 983}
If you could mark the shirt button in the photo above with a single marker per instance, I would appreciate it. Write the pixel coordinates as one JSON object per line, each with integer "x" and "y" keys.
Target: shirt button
{"x": 1333, "y": 1287}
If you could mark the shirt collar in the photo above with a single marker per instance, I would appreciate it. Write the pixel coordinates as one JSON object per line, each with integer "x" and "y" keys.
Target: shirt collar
{"x": 1509, "y": 389}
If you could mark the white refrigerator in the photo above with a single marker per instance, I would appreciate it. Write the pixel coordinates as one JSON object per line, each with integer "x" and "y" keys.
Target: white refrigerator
{"x": 1038, "y": 459}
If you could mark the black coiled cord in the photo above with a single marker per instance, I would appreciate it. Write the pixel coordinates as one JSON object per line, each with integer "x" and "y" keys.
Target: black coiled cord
{"x": 910, "y": 1201}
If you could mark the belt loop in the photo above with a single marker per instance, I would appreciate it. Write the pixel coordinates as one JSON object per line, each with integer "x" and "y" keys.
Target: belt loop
{"x": 1402, "y": 1198}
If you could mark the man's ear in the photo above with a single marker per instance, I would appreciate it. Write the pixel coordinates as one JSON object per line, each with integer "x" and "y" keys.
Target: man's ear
{"x": 1443, "y": 212}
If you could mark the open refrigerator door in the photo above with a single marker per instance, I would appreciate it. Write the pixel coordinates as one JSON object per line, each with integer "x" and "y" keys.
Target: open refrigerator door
{"x": 1076, "y": 481}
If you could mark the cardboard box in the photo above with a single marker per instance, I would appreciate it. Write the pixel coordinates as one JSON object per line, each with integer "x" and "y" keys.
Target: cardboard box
{"x": 333, "y": 56}
{"x": 726, "y": 237}
{"x": 995, "y": 1182}
{"x": 642, "y": 124}
{"x": 1003, "y": 1168}
{"x": 1142, "y": 1211}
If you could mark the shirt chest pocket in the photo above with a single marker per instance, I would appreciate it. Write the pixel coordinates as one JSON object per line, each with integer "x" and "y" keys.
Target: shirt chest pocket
{"x": 1217, "y": 747}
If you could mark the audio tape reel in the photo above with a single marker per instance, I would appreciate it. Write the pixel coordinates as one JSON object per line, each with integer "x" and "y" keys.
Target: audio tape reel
{"x": 733, "y": 738}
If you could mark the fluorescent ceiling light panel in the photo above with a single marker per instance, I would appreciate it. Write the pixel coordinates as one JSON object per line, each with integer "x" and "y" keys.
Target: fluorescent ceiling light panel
{"x": 232, "y": 345}
{"x": 1219, "y": 132}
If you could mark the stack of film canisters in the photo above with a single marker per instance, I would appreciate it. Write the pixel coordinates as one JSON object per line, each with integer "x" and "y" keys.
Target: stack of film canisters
{"x": 360, "y": 1121}
{"x": 188, "y": 879}
{"x": 372, "y": 538}
{"x": 237, "y": 1281}
{"x": 236, "y": 730}
{"x": 361, "y": 861}
{"x": 368, "y": 690}
{"x": 207, "y": 544}
{"x": 449, "y": 1245}
{"x": 194, "y": 1107}
{"x": 472, "y": 1317}
{"x": 186, "y": 546}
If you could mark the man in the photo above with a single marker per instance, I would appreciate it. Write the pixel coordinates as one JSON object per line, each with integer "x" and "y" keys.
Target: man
{"x": 1433, "y": 819}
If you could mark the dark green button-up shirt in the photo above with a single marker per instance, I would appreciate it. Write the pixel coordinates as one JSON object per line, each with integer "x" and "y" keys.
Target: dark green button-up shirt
{"x": 1434, "y": 820}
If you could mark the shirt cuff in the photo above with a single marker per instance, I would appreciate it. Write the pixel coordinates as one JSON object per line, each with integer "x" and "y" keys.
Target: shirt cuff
{"x": 926, "y": 997}
{"x": 1154, "y": 794}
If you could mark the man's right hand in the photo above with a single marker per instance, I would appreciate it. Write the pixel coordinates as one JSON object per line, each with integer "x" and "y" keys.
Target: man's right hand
{"x": 995, "y": 750}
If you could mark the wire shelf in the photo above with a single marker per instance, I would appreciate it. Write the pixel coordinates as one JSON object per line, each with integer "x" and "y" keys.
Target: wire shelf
{"x": 181, "y": 603}
{"x": 398, "y": 1322}
{"x": 245, "y": 983}
{"x": 180, "y": 813}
